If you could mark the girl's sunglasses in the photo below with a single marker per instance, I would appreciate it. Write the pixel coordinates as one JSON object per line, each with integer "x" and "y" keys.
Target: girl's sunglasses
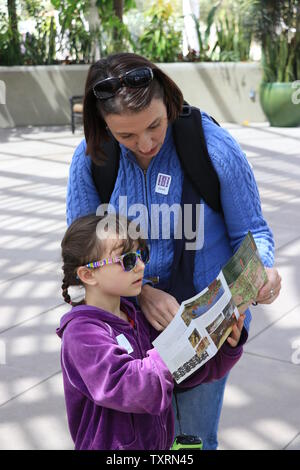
{"x": 128, "y": 261}
{"x": 136, "y": 78}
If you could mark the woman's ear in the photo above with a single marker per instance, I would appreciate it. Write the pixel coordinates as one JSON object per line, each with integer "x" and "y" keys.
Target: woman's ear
{"x": 86, "y": 275}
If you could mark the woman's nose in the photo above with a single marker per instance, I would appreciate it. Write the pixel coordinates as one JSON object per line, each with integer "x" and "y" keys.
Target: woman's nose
{"x": 145, "y": 144}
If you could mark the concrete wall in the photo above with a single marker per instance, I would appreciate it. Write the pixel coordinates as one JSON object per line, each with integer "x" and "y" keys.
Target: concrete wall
{"x": 221, "y": 89}
{"x": 39, "y": 95}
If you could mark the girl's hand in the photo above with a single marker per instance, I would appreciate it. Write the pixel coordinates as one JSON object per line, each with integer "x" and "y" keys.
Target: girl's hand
{"x": 158, "y": 307}
{"x": 234, "y": 337}
{"x": 270, "y": 291}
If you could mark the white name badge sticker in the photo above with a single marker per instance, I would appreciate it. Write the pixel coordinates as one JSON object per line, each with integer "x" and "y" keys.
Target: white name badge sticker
{"x": 124, "y": 343}
{"x": 163, "y": 183}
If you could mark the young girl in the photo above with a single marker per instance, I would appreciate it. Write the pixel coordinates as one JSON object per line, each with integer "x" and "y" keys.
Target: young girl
{"x": 118, "y": 390}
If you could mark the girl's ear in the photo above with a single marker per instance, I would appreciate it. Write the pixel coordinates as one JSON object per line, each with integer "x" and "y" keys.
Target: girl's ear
{"x": 86, "y": 275}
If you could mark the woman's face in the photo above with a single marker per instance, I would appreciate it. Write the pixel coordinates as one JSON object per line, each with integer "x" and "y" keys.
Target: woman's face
{"x": 141, "y": 132}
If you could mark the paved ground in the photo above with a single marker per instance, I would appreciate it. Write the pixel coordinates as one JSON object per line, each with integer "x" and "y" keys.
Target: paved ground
{"x": 261, "y": 408}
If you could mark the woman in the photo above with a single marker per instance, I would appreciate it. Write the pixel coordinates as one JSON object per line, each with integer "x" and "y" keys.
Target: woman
{"x": 132, "y": 102}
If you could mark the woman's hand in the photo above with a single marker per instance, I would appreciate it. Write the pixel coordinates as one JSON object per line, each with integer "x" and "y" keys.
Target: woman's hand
{"x": 158, "y": 307}
{"x": 270, "y": 291}
{"x": 234, "y": 337}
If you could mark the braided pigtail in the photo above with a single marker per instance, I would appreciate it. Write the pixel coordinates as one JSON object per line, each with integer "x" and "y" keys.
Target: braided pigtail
{"x": 65, "y": 292}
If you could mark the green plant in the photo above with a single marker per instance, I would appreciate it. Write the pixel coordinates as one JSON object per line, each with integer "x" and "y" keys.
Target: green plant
{"x": 34, "y": 49}
{"x": 110, "y": 35}
{"x": 232, "y": 41}
{"x": 74, "y": 36}
{"x": 161, "y": 41}
{"x": 233, "y": 31}
{"x": 39, "y": 47}
{"x": 203, "y": 37}
{"x": 114, "y": 35}
{"x": 222, "y": 31}
{"x": 276, "y": 25}
{"x": 10, "y": 39}
{"x": 8, "y": 55}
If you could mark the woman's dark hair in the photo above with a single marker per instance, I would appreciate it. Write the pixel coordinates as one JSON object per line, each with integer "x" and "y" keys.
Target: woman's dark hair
{"x": 83, "y": 243}
{"x": 130, "y": 99}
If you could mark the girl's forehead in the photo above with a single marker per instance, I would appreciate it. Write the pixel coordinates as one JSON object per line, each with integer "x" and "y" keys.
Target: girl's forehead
{"x": 112, "y": 245}
{"x": 115, "y": 246}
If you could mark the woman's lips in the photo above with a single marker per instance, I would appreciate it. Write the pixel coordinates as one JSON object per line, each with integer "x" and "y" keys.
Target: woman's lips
{"x": 152, "y": 151}
{"x": 139, "y": 281}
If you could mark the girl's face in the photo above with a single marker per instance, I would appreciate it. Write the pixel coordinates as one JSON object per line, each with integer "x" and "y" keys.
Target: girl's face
{"x": 112, "y": 279}
{"x": 141, "y": 132}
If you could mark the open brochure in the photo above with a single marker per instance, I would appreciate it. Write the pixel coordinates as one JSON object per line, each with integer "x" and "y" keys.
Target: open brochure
{"x": 203, "y": 323}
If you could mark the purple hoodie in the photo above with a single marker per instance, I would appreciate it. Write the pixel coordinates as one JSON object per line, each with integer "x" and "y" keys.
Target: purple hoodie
{"x": 117, "y": 399}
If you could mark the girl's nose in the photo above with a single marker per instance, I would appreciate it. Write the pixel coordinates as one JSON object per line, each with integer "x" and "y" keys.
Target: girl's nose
{"x": 139, "y": 265}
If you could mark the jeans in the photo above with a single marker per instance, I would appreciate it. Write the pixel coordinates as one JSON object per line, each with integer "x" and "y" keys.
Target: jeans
{"x": 200, "y": 410}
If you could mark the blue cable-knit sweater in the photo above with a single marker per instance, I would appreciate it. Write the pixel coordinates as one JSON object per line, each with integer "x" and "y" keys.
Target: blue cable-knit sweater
{"x": 222, "y": 234}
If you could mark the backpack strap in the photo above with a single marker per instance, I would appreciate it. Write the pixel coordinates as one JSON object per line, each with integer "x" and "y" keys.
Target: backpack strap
{"x": 105, "y": 175}
{"x": 193, "y": 154}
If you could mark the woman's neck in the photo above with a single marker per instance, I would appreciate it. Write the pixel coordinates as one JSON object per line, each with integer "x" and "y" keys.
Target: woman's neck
{"x": 143, "y": 163}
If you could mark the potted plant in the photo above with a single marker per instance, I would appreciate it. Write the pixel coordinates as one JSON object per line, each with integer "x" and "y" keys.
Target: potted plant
{"x": 161, "y": 40}
{"x": 277, "y": 27}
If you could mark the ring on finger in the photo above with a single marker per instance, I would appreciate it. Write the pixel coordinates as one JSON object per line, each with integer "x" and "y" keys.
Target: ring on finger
{"x": 272, "y": 293}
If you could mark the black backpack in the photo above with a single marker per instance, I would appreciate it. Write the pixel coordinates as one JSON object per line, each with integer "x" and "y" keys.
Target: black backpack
{"x": 192, "y": 152}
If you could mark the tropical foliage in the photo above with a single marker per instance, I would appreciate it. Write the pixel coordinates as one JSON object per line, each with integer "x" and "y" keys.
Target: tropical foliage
{"x": 276, "y": 25}
{"x": 233, "y": 32}
{"x": 65, "y": 32}
{"x": 161, "y": 40}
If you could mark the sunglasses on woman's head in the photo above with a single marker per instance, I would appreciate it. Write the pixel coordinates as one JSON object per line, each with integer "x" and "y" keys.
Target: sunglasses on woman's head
{"x": 137, "y": 78}
{"x": 128, "y": 261}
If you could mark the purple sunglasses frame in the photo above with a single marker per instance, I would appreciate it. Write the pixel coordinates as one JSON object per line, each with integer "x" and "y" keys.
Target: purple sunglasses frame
{"x": 119, "y": 259}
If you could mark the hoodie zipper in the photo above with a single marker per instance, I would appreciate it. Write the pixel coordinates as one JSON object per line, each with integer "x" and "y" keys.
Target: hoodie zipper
{"x": 164, "y": 434}
{"x": 147, "y": 201}
{"x": 136, "y": 335}
{"x": 162, "y": 426}
{"x": 145, "y": 179}
{"x": 149, "y": 217}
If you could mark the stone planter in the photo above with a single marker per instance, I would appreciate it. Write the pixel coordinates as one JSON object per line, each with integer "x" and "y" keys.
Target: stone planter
{"x": 39, "y": 95}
